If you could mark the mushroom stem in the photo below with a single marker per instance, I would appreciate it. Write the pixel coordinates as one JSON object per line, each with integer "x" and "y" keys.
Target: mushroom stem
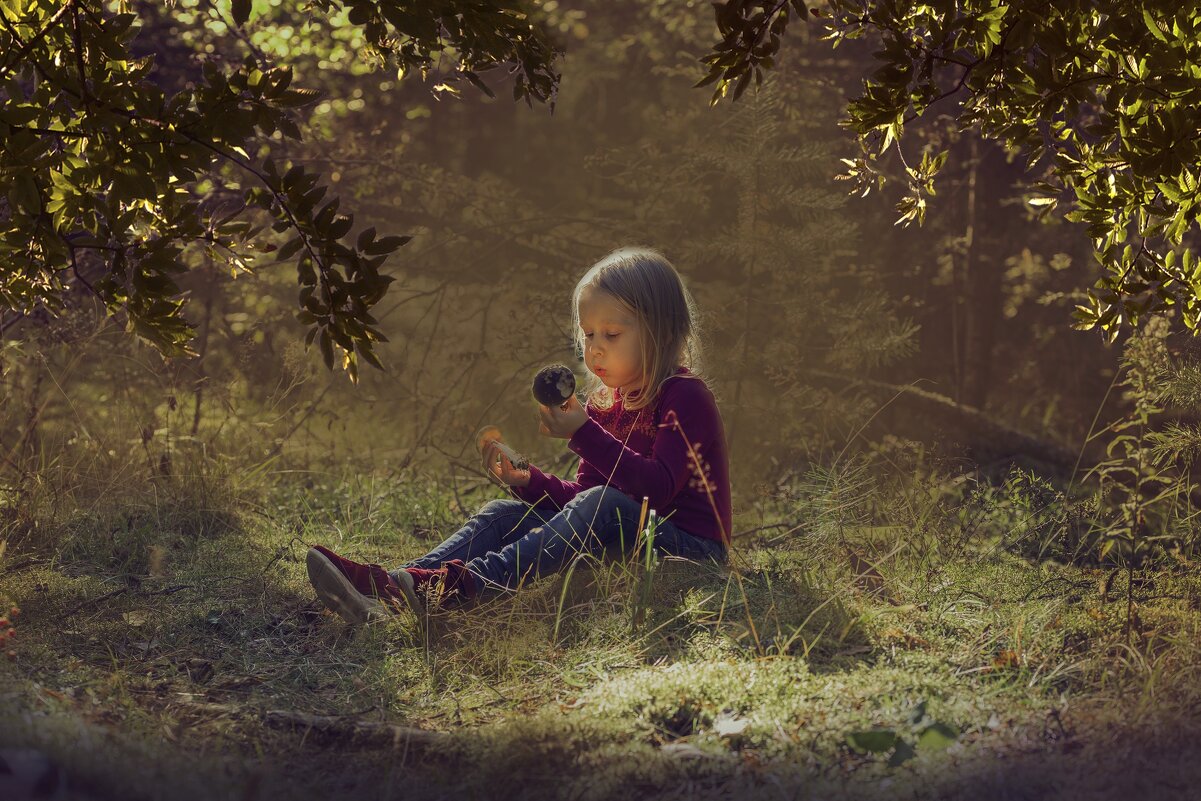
{"x": 516, "y": 458}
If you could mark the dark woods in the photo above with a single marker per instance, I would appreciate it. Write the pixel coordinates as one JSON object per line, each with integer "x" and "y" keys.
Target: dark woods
{"x": 831, "y": 334}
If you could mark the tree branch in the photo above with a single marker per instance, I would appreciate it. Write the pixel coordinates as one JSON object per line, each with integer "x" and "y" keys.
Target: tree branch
{"x": 27, "y": 46}
{"x": 320, "y": 265}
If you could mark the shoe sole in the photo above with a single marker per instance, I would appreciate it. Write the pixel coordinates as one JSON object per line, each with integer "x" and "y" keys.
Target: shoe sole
{"x": 337, "y": 593}
{"x": 410, "y": 594}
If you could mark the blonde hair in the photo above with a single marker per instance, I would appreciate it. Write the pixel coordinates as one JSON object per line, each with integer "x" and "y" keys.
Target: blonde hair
{"x": 647, "y": 287}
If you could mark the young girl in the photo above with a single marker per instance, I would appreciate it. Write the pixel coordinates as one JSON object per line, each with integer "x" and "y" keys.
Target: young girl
{"x": 650, "y": 428}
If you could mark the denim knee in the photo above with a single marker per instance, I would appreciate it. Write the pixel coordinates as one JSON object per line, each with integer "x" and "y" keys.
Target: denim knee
{"x": 595, "y": 495}
{"x": 500, "y": 506}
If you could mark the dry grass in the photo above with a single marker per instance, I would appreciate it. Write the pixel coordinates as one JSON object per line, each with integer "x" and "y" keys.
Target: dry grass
{"x": 160, "y": 623}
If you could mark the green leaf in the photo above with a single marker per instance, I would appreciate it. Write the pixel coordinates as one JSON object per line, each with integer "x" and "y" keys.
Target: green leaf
{"x": 386, "y": 244}
{"x": 290, "y": 249}
{"x": 936, "y": 737}
{"x": 742, "y": 84}
{"x": 327, "y": 348}
{"x": 289, "y": 128}
{"x": 241, "y": 12}
{"x": 365, "y": 238}
{"x": 903, "y": 754}
{"x": 478, "y": 84}
{"x": 292, "y": 98}
{"x": 1153, "y": 26}
{"x": 369, "y": 356}
{"x": 340, "y": 227}
{"x": 874, "y": 741}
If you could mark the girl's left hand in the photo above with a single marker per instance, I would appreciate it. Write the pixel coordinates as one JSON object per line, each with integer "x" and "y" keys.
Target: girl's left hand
{"x": 562, "y": 423}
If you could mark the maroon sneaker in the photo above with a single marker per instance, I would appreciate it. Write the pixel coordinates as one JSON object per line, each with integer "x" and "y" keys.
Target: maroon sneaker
{"x": 356, "y": 591}
{"x": 440, "y": 586}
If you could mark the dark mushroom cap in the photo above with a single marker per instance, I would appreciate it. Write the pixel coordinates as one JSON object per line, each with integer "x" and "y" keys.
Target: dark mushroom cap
{"x": 554, "y": 384}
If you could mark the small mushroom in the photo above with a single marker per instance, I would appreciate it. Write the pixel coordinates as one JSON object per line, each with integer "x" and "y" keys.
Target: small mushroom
{"x": 489, "y": 433}
{"x": 554, "y": 385}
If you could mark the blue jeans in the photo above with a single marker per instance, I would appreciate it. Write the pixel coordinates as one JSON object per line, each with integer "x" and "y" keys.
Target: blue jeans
{"x": 509, "y": 541}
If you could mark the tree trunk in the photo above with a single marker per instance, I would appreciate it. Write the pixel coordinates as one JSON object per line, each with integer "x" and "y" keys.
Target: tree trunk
{"x": 990, "y": 246}
{"x": 210, "y": 289}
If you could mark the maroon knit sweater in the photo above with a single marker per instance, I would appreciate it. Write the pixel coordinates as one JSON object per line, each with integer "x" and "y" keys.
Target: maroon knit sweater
{"x": 647, "y": 453}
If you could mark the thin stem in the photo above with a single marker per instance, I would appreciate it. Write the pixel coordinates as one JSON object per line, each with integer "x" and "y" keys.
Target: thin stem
{"x": 39, "y": 36}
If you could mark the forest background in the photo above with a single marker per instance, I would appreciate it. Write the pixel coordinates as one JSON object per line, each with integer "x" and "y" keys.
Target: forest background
{"x": 899, "y": 401}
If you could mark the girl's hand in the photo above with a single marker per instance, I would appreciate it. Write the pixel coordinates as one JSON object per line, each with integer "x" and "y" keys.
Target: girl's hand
{"x": 500, "y": 469}
{"x": 562, "y": 423}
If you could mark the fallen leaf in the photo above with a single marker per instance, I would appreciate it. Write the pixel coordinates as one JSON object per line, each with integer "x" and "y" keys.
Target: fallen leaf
{"x": 199, "y": 670}
{"x": 728, "y": 724}
{"x": 1006, "y": 658}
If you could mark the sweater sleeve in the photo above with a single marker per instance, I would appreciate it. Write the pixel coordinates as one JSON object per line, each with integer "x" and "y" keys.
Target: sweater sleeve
{"x": 545, "y": 486}
{"x": 660, "y": 476}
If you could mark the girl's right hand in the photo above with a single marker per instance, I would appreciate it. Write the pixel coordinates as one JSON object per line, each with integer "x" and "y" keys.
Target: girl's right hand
{"x": 500, "y": 469}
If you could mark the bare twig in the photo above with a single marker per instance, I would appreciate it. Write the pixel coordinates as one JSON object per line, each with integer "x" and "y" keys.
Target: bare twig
{"x": 121, "y": 591}
{"x": 27, "y": 46}
{"x": 89, "y": 601}
{"x": 307, "y": 413}
{"x": 749, "y": 531}
{"x": 363, "y": 731}
{"x": 24, "y": 563}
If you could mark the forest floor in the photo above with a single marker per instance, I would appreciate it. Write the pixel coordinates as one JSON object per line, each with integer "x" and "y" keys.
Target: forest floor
{"x": 173, "y": 648}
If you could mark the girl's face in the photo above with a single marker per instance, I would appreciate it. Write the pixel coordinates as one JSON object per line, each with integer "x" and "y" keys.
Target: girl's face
{"x": 612, "y": 348}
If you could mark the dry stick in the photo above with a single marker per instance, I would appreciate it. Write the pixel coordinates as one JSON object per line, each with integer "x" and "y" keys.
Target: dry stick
{"x": 121, "y": 591}
{"x": 430, "y": 340}
{"x": 13, "y": 568}
{"x": 748, "y": 531}
{"x": 275, "y": 451}
{"x": 866, "y": 423}
{"x": 361, "y": 730}
{"x": 454, "y": 485}
{"x": 989, "y": 430}
{"x": 1089, "y": 436}
{"x": 675, "y": 422}
{"x": 328, "y": 725}
{"x": 97, "y": 599}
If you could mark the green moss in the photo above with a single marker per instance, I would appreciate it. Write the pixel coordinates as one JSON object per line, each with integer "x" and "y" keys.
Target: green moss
{"x": 772, "y": 664}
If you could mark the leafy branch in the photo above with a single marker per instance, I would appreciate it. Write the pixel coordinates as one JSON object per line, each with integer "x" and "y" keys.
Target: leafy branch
{"x": 1104, "y": 111}
{"x": 97, "y": 157}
